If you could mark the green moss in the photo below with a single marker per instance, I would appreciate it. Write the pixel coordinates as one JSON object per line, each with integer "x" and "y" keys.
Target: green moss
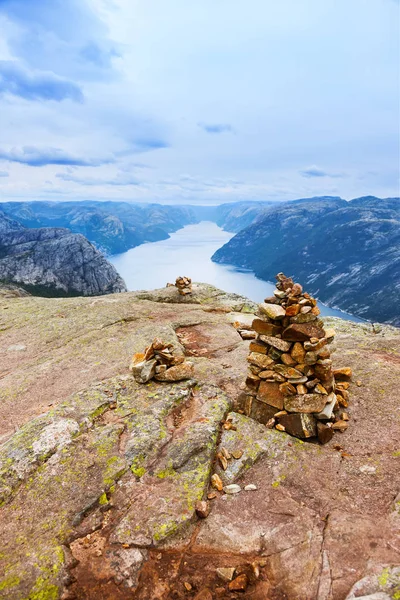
{"x": 103, "y": 499}
{"x": 160, "y": 532}
{"x": 278, "y": 481}
{"x": 396, "y": 454}
{"x": 163, "y": 473}
{"x": 44, "y": 590}
{"x": 9, "y": 582}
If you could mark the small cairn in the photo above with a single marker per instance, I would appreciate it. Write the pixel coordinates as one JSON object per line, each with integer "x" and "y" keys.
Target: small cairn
{"x": 160, "y": 362}
{"x": 291, "y": 384}
{"x": 184, "y": 285}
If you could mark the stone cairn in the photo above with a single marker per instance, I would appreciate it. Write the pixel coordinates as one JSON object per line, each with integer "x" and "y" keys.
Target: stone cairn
{"x": 291, "y": 384}
{"x": 184, "y": 285}
{"x": 160, "y": 362}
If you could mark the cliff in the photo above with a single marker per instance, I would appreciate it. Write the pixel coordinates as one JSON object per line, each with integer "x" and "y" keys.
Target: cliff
{"x": 345, "y": 253}
{"x": 54, "y": 262}
{"x": 99, "y": 475}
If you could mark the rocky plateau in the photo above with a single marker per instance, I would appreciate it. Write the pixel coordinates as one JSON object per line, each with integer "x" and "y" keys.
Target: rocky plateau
{"x": 105, "y": 483}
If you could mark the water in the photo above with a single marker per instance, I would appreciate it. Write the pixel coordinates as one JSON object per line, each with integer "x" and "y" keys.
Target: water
{"x": 188, "y": 252}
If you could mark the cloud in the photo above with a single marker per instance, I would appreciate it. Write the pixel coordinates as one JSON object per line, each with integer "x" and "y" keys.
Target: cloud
{"x": 36, "y": 86}
{"x": 4, "y": 174}
{"x": 315, "y": 171}
{"x": 121, "y": 179}
{"x": 66, "y": 37}
{"x": 39, "y": 157}
{"x": 216, "y": 127}
{"x": 143, "y": 144}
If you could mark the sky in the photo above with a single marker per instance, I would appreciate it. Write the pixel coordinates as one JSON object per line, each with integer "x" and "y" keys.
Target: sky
{"x": 187, "y": 101}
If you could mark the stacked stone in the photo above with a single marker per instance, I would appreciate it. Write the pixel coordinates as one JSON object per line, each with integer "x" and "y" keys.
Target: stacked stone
{"x": 291, "y": 382}
{"x": 184, "y": 285}
{"x": 160, "y": 362}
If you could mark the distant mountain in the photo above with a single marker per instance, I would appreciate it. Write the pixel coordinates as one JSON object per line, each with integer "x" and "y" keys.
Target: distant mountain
{"x": 113, "y": 227}
{"x": 54, "y": 262}
{"x": 346, "y": 253}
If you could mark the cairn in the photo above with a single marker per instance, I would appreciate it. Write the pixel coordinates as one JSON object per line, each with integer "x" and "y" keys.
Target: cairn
{"x": 184, "y": 285}
{"x": 159, "y": 361}
{"x": 291, "y": 384}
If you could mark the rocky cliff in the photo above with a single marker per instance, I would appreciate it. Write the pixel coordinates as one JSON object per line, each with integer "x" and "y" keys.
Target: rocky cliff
{"x": 100, "y": 475}
{"x": 54, "y": 262}
{"x": 346, "y": 253}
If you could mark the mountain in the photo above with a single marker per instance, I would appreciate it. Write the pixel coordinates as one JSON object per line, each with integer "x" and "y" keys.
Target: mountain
{"x": 100, "y": 476}
{"x": 113, "y": 227}
{"x": 54, "y": 262}
{"x": 346, "y": 253}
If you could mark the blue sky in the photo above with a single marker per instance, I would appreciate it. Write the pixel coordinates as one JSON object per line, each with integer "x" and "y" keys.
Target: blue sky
{"x": 213, "y": 101}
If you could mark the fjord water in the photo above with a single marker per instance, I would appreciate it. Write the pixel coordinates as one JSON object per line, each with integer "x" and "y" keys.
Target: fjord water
{"x": 188, "y": 252}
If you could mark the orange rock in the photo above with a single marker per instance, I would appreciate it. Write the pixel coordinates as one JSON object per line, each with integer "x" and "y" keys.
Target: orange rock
{"x": 239, "y": 584}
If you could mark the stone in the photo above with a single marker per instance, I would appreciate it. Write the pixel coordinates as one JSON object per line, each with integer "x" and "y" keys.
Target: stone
{"x": 144, "y": 371}
{"x": 317, "y": 345}
{"x": 343, "y": 373}
{"x": 299, "y": 332}
{"x": 260, "y": 411}
{"x": 177, "y": 373}
{"x": 226, "y": 573}
{"x": 306, "y": 309}
{"x": 265, "y": 328}
{"x": 319, "y": 389}
{"x": 287, "y": 371}
{"x": 239, "y": 584}
{"x": 266, "y": 374}
{"x": 301, "y": 389}
{"x": 297, "y": 289}
{"x": 237, "y": 454}
{"x": 202, "y": 509}
{"x": 271, "y": 394}
{"x": 303, "y": 318}
{"x": 292, "y": 310}
{"x": 298, "y": 352}
{"x": 276, "y": 343}
{"x": 251, "y": 487}
{"x": 305, "y": 403}
{"x": 279, "y": 294}
{"x": 340, "y": 425}
{"x": 288, "y": 360}
{"x": 253, "y": 381}
{"x": 232, "y": 488}
{"x": 280, "y": 427}
{"x": 287, "y": 389}
{"x": 275, "y": 354}
{"x": 310, "y": 358}
{"x": 216, "y": 482}
{"x": 327, "y": 412}
{"x": 300, "y": 425}
{"x": 296, "y": 380}
{"x": 258, "y": 347}
{"x": 324, "y": 432}
{"x": 260, "y": 360}
{"x": 273, "y": 311}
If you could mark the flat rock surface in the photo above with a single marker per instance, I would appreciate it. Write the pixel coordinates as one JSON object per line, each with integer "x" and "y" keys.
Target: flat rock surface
{"x": 99, "y": 475}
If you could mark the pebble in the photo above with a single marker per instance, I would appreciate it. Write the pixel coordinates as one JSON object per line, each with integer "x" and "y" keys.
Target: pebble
{"x": 226, "y": 573}
{"x": 237, "y": 454}
{"x": 216, "y": 482}
{"x": 239, "y": 584}
{"x": 232, "y": 488}
{"x": 202, "y": 509}
{"x": 367, "y": 469}
{"x": 250, "y": 488}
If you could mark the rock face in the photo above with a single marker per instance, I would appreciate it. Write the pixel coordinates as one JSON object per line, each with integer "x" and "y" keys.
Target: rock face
{"x": 355, "y": 245}
{"x": 55, "y": 262}
{"x": 100, "y": 489}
